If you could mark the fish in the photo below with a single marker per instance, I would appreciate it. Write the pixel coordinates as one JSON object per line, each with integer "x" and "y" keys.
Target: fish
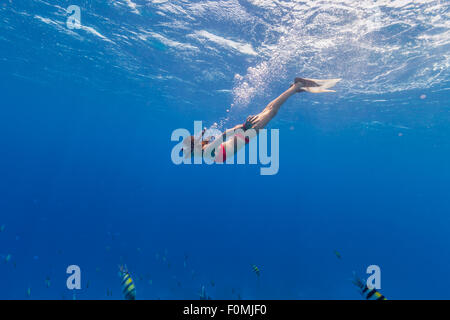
{"x": 28, "y": 292}
{"x": 213, "y": 283}
{"x": 256, "y": 270}
{"x": 47, "y": 282}
{"x": 128, "y": 287}
{"x": 2, "y": 228}
{"x": 338, "y": 255}
{"x": 203, "y": 294}
{"x": 7, "y": 258}
{"x": 366, "y": 292}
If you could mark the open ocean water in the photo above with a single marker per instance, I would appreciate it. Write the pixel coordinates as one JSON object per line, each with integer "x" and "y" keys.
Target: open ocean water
{"x": 86, "y": 176}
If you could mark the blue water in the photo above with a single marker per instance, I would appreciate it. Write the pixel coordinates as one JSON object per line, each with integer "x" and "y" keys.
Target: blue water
{"x": 86, "y": 176}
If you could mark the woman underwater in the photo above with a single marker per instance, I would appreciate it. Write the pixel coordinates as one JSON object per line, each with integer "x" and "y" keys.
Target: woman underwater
{"x": 226, "y": 145}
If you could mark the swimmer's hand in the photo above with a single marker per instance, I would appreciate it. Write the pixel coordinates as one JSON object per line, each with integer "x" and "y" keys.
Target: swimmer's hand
{"x": 315, "y": 85}
{"x": 250, "y": 122}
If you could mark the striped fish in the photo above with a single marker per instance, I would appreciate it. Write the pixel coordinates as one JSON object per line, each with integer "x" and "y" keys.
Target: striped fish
{"x": 128, "y": 288}
{"x": 366, "y": 292}
{"x": 256, "y": 270}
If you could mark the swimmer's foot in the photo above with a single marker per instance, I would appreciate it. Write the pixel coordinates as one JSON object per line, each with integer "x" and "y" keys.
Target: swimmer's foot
{"x": 298, "y": 86}
{"x": 314, "y": 85}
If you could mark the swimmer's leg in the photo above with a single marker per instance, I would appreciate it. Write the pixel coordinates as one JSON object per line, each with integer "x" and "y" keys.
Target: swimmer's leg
{"x": 300, "y": 85}
{"x": 262, "y": 119}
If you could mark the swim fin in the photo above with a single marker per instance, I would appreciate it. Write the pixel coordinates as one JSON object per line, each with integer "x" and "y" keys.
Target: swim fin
{"x": 316, "y": 85}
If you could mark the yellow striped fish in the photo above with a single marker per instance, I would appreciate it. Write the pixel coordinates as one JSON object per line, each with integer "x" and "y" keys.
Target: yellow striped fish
{"x": 128, "y": 288}
{"x": 256, "y": 270}
{"x": 366, "y": 292}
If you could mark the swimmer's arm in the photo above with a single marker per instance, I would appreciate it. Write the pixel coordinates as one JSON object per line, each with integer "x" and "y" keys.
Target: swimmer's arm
{"x": 231, "y": 132}
{"x": 226, "y": 135}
